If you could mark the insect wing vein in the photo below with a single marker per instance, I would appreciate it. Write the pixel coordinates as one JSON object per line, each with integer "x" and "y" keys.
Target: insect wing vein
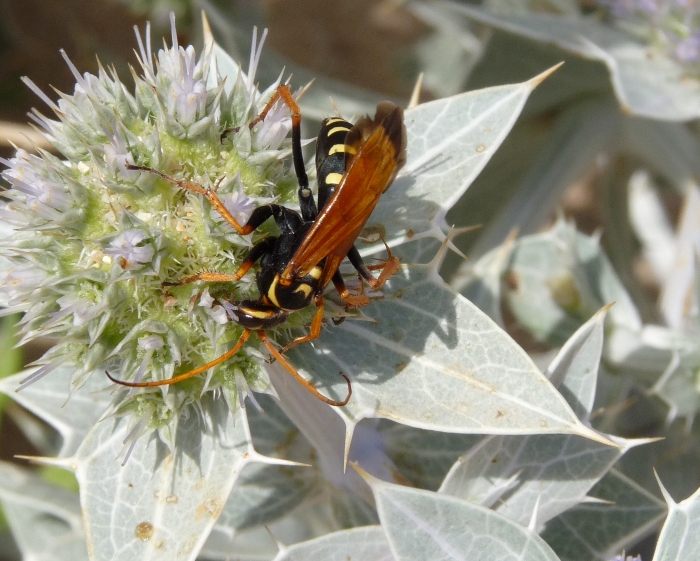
{"x": 342, "y": 219}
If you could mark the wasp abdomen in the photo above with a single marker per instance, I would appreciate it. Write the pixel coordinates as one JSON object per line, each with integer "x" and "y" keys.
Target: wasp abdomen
{"x": 331, "y": 154}
{"x": 254, "y": 314}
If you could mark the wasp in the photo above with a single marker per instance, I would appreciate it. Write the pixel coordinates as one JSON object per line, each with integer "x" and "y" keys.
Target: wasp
{"x": 355, "y": 165}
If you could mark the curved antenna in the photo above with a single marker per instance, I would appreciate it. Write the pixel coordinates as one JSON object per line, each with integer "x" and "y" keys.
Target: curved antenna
{"x": 186, "y": 375}
{"x": 307, "y": 385}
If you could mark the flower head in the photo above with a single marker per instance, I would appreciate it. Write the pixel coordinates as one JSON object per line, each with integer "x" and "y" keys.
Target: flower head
{"x": 672, "y": 27}
{"x": 95, "y": 240}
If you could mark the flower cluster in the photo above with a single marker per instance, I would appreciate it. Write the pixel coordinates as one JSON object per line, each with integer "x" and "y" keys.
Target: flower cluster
{"x": 671, "y": 25}
{"x": 93, "y": 241}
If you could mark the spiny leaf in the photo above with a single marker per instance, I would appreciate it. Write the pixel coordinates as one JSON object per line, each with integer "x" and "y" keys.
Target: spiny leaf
{"x": 646, "y": 83}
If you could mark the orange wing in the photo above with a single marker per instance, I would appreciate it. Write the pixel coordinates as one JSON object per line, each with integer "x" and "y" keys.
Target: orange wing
{"x": 380, "y": 151}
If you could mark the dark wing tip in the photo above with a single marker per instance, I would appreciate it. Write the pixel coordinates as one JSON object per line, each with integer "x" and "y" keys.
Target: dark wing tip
{"x": 390, "y": 118}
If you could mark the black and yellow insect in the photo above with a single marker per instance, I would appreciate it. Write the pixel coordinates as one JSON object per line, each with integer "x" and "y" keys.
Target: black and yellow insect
{"x": 355, "y": 165}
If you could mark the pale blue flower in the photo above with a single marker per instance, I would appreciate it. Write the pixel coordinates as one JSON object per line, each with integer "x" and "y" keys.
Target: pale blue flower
{"x": 216, "y": 312}
{"x": 688, "y": 50}
{"x": 129, "y": 250}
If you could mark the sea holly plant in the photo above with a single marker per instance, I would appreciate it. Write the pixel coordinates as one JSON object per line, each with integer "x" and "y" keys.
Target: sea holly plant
{"x": 549, "y": 282}
{"x": 623, "y": 97}
{"x": 651, "y": 48}
{"x": 206, "y": 467}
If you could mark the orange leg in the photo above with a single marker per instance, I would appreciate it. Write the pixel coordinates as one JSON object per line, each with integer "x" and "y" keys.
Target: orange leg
{"x": 256, "y": 252}
{"x": 210, "y": 195}
{"x": 308, "y": 385}
{"x": 282, "y": 93}
{"x": 352, "y": 300}
{"x": 388, "y": 268}
{"x": 314, "y": 330}
{"x": 211, "y": 276}
{"x": 187, "y": 375}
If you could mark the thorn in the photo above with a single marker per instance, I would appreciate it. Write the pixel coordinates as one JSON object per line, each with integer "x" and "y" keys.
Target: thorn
{"x": 282, "y": 547}
{"x": 415, "y": 96}
{"x": 206, "y": 30}
{"x": 349, "y": 431}
{"x": 335, "y": 107}
{"x": 667, "y": 497}
{"x": 305, "y": 89}
{"x": 65, "y": 463}
{"x": 532, "y": 526}
{"x": 537, "y": 80}
{"x": 439, "y": 257}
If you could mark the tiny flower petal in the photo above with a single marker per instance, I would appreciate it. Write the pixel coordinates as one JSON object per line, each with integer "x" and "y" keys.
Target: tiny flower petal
{"x": 216, "y": 312}
{"x": 127, "y": 251}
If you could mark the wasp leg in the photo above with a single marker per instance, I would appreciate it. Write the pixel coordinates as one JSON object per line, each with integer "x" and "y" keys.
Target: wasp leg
{"x": 187, "y": 375}
{"x": 211, "y": 276}
{"x": 226, "y": 132}
{"x": 388, "y": 268}
{"x": 255, "y": 253}
{"x": 352, "y": 300}
{"x": 210, "y": 195}
{"x": 308, "y": 385}
{"x": 258, "y": 216}
{"x": 306, "y": 199}
{"x": 268, "y": 106}
{"x": 314, "y": 330}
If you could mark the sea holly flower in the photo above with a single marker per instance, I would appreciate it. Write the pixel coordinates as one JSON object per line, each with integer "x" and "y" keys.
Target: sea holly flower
{"x": 670, "y": 27}
{"x": 215, "y": 311}
{"x": 43, "y": 192}
{"x": 129, "y": 251}
{"x": 95, "y": 240}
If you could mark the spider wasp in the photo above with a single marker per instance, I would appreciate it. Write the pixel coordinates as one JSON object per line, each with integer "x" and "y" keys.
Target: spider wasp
{"x": 355, "y": 165}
